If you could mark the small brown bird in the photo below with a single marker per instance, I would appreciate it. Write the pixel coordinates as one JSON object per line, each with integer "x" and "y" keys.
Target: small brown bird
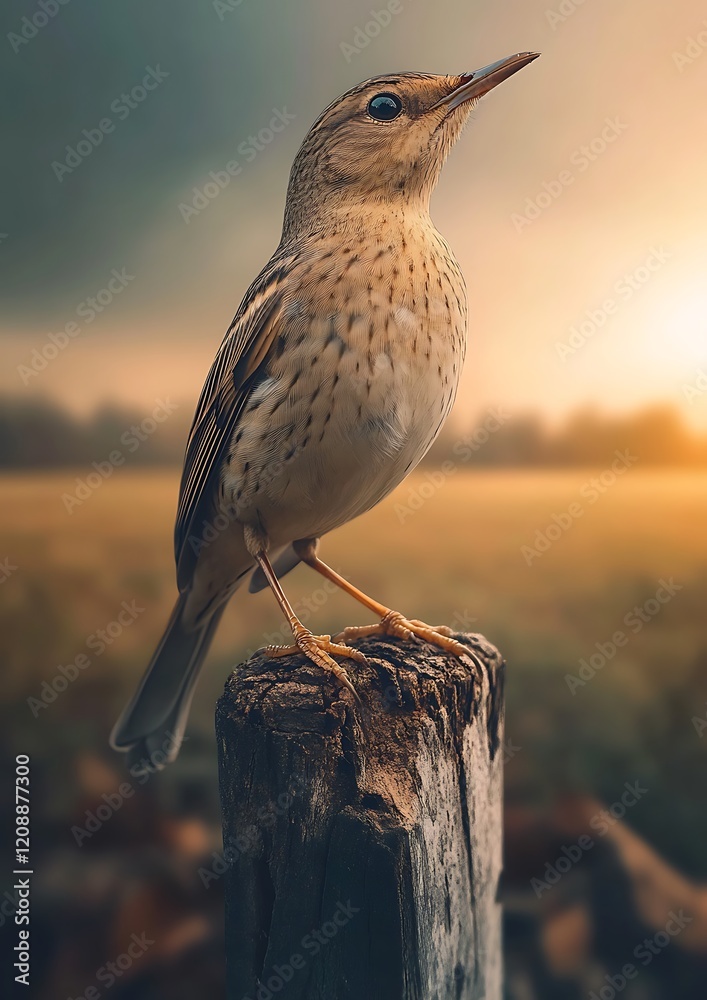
{"x": 333, "y": 380}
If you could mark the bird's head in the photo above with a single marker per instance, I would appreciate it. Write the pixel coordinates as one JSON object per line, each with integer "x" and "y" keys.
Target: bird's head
{"x": 387, "y": 139}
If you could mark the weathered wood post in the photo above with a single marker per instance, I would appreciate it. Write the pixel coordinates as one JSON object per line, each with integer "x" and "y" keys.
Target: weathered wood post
{"x": 364, "y": 859}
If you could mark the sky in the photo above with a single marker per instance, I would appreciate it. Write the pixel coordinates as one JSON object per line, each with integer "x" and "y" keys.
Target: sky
{"x": 575, "y": 201}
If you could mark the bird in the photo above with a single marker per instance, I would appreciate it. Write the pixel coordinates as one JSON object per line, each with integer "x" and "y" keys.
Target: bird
{"x": 330, "y": 385}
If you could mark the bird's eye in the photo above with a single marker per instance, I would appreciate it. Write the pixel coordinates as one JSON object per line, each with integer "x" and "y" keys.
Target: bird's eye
{"x": 385, "y": 107}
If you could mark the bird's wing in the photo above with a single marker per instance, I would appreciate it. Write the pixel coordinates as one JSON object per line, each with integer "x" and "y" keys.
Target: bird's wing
{"x": 236, "y": 370}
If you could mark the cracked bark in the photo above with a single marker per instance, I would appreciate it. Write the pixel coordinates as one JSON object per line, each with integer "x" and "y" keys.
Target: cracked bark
{"x": 363, "y": 855}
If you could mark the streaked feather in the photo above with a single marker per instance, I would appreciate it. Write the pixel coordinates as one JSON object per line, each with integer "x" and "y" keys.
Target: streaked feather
{"x": 236, "y": 370}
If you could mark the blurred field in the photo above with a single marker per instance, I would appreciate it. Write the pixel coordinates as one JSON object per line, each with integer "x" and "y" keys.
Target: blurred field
{"x": 457, "y": 559}
{"x": 442, "y": 548}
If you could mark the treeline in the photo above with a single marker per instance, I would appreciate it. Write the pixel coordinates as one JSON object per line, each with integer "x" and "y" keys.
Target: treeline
{"x": 655, "y": 436}
{"x": 42, "y": 434}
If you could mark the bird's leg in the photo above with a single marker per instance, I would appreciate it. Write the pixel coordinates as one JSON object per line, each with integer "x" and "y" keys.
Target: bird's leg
{"x": 320, "y": 649}
{"x": 392, "y": 622}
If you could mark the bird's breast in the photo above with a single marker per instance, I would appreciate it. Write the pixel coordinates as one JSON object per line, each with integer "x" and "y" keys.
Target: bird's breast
{"x": 357, "y": 388}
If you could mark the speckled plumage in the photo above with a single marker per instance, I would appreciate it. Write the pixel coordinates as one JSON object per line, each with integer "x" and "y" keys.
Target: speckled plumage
{"x": 357, "y": 384}
{"x": 336, "y": 375}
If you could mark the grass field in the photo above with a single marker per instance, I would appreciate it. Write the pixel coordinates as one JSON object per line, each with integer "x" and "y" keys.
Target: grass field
{"x": 457, "y": 557}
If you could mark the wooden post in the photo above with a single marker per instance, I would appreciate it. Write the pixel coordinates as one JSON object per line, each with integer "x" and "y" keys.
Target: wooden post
{"x": 363, "y": 856}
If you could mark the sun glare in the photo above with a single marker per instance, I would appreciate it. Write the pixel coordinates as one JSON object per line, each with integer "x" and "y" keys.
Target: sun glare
{"x": 680, "y": 330}
{"x": 687, "y": 326}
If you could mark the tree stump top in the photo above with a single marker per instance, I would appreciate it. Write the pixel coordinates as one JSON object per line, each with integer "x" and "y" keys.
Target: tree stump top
{"x": 402, "y": 681}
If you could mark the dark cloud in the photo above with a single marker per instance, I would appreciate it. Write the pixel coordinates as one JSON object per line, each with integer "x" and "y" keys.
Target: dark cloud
{"x": 62, "y": 236}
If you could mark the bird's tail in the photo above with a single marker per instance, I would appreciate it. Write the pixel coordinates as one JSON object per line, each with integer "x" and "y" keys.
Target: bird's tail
{"x": 151, "y": 726}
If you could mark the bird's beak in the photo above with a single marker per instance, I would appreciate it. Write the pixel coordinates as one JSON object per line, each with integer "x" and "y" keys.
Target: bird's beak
{"x": 471, "y": 86}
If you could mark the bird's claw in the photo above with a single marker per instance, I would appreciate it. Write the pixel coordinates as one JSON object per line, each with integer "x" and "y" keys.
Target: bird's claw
{"x": 410, "y": 629}
{"x": 321, "y": 650}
